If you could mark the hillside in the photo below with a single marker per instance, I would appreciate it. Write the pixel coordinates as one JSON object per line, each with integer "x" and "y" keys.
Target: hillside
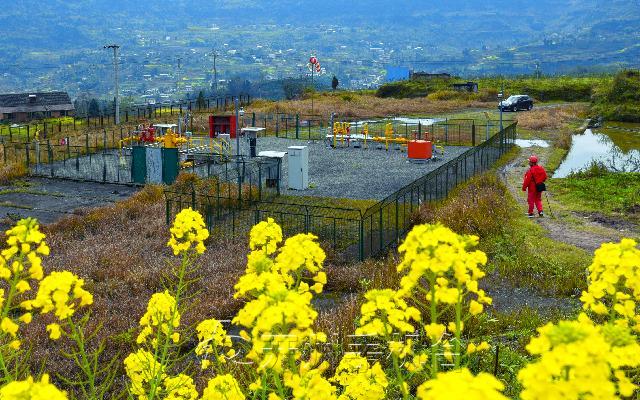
{"x": 58, "y": 44}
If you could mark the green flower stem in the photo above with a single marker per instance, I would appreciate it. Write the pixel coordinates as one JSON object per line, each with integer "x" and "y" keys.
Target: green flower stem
{"x": 458, "y": 327}
{"x": 434, "y": 320}
{"x": 84, "y": 362}
{"x": 398, "y": 371}
{"x": 162, "y": 361}
{"x": 8, "y": 376}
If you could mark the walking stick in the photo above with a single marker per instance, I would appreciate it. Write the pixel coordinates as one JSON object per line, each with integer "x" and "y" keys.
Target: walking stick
{"x": 549, "y": 204}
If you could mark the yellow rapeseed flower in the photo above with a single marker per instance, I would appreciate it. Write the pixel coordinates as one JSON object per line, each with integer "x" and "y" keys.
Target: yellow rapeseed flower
{"x": 213, "y": 340}
{"x": 188, "y": 233}
{"x": 8, "y": 326}
{"x": 385, "y": 311}
{"x": 461, "y": 384}
{"x": 60, "y": 292}
{"x": 223, "y": 387}
{"x": 161, "y": 314}
{"x": 32, "y": 390}
{"x": 577, "y": 360}
{"x": 614, "y": 282}
{"x": 141, "y": 368}
{"x": 180, "y": 387}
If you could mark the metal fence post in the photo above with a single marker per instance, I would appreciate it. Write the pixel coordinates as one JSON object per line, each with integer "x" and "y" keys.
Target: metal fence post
{"x": 361, "y": 238}
{"x": 473, "y": 135}
{"x": 380, "y": 231}
{"x": 297, "y": 126}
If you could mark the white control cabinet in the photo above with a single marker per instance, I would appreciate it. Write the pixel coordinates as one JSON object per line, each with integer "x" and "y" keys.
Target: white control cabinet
{"x": 298, "y": 167}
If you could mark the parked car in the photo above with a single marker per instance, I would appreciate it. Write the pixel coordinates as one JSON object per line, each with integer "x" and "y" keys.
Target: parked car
{"x": 516, "y": 103}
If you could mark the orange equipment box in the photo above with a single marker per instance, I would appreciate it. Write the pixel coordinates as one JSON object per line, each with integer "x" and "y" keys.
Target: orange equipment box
{"x": 419, "y": 149}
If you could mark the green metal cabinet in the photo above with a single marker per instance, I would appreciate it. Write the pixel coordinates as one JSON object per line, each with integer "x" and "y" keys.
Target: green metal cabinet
{"x": 139, "y": 165}
{"x": 169, "y": 165}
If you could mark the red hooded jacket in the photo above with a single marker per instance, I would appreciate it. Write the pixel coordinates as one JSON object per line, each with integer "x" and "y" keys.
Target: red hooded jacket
{"x": 534, "y": 175}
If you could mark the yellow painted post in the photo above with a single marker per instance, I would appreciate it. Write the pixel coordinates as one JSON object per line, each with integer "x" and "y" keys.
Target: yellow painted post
{"x": 365, "y": 131}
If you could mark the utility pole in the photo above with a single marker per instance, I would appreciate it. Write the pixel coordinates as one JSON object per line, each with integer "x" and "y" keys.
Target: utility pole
{"x": 115, "y": 48}
{"x": 500, "y": 99}
{"x": 215, "y": 72}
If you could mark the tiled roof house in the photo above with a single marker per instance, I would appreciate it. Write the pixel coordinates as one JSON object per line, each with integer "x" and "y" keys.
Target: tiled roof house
{"x": 21, "y": 107}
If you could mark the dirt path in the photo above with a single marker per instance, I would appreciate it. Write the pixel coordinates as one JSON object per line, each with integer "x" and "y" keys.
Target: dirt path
{"x": 587, "y": 232}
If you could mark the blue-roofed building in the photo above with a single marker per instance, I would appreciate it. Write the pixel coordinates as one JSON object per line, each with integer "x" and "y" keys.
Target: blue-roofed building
{"x": 397, "y": 73}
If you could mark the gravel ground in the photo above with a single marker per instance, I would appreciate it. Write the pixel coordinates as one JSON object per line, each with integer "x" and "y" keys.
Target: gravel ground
{"x": 353, "y": 173}
{"x": 49, "y": 199}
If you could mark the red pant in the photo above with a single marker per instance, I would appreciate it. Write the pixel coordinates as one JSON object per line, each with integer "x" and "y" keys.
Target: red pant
{"x": 534, "y": 198}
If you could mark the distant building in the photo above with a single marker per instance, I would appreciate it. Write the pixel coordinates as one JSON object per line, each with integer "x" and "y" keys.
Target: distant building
{"x": 22, "y": 107}
{"x": 397, "y": 73}
{"x": 471, "y": 87}
{"x": 425, "y": 76}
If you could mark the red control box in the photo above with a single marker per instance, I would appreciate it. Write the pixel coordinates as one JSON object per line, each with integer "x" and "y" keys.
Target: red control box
{"x": 419, "y": 149}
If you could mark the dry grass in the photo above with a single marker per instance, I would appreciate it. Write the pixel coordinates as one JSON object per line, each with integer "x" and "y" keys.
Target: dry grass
{"x": 364, "y": 105}
{"x": 550, "y": 118}
{"x": 478, "y": 208}
{"x": 121, "y": 253}
{"x": 11, "y": 171}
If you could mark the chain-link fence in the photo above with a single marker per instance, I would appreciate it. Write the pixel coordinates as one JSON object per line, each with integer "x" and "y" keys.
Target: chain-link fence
{"x": 349, "y": 233}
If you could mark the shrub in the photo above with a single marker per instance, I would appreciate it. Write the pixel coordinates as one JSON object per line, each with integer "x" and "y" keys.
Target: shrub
{"x": 477, "y": 208}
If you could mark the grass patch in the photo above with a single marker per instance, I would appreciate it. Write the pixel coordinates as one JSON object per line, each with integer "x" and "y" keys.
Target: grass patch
{"x": 329, "y": 202}
{"x": 556, "y": 156}
{"x": 23, "y": 190}
{"x": 13, "y": 205}
{"x": 528, "y": 258}
{"x": 598, "y": 190}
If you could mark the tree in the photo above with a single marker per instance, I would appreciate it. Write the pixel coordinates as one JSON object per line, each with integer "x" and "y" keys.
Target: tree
{"x": 334, "y": 83}
{"x": 94, "y": 108}
{"x": 201, "y": 103}
{"x": 293, "y": 88}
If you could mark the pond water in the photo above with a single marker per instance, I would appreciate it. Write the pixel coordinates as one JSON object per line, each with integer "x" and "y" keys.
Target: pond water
{"x": 526, "y": 143}
{"x": 401, "y": 120}
{"x": 617, "y": 146}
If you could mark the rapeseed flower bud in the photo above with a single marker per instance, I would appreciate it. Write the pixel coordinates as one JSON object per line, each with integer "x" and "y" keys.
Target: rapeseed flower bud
{"x": 188, "y": 233}
{"x": 32, "y": 390}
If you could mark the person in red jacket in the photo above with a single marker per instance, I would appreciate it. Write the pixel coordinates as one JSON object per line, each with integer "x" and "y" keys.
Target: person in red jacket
{"x": 534, "y": 175}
